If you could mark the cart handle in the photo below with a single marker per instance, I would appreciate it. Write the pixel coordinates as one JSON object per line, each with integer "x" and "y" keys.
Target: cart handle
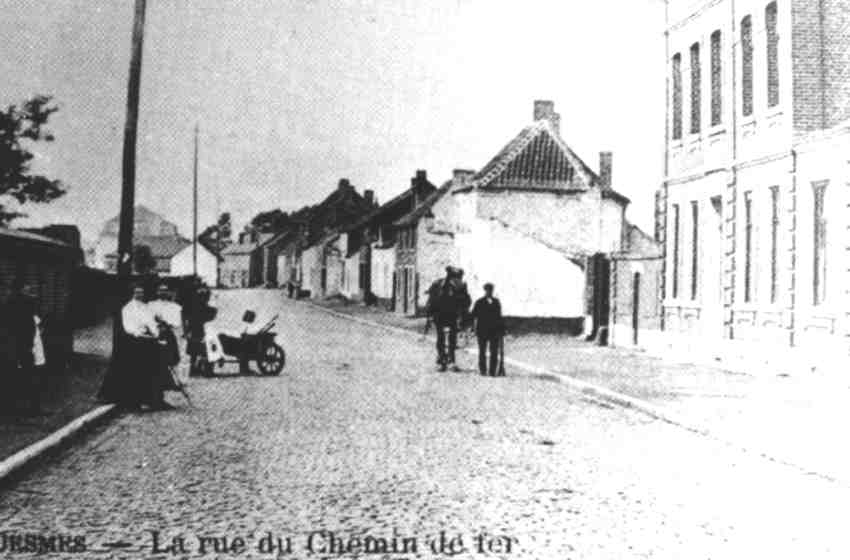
{"x": 270, "y": 324}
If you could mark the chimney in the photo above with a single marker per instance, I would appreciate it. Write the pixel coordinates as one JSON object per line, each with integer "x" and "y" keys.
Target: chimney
{"x": 417, "y": 186}
{"x": 369, "y": 195}
{"x": 545, "y": 110}
{"x": 605, "y": 162}
{"x": 343, "y": 184}
{"x": 461, "y": 177}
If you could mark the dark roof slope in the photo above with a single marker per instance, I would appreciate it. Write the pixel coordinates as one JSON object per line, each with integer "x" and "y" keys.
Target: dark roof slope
{"x": 424, "y": 209}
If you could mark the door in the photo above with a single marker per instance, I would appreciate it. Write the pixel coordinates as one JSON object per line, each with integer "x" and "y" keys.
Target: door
{"x": 711, "y": 288}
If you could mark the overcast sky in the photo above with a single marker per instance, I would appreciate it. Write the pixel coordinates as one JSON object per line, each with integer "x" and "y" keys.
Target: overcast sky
{"x": 292, "y": 95}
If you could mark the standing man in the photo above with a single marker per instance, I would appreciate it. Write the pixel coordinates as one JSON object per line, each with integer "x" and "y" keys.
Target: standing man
{"x": 168, "y": 315}
{"x": 489, "y": 328}
{"x": 448, "y": 301}
{"x": 197, "y": 315}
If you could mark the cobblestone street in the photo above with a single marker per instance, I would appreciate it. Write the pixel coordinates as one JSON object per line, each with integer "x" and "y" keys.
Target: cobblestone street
{"x": 360, "y": 435}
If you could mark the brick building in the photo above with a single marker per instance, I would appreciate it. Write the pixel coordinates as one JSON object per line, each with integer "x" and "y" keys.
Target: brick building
{"x": 753, "y": 210}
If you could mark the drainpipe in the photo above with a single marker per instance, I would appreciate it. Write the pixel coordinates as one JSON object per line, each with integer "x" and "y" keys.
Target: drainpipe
{"x": 664, "y": 183}
{"x": 733, "y": 183}
{"x": 792, "y": 296}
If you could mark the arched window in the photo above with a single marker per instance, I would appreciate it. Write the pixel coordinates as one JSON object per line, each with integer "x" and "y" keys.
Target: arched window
{"x": 747, "y": 66}
{"x": 772, "y": 55}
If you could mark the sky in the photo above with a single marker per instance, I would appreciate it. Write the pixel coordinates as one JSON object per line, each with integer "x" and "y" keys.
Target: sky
{"x": 292, "y": 95}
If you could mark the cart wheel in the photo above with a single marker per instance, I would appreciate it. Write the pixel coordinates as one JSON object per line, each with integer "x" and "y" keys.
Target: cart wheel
{"x": 272, "y": 360}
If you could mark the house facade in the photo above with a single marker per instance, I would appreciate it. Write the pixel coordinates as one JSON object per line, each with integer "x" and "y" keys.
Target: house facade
{"x": 242, "y": 263}
{"x": 754, "y": 214}
{"x": 183, "y": 264}
{"x": 369, "y": 242}
{"x": 527, "y": 222}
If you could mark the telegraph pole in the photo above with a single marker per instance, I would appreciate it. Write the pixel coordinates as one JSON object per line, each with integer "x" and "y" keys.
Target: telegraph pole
{"x": 195, "y": 209}
{"x": 128, "y": 168}
{"x": 128, "y": 183}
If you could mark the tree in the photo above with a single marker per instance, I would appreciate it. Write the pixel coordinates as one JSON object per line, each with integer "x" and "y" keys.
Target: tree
{"x": 217, "y": 236}
{"x": 272, "y": 221}
{"x": 19, "y": 128}
{"x": 143, "y": 259}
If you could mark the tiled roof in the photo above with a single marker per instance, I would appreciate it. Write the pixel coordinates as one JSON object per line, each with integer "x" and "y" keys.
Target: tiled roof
{"x": 536, "y": 157}
{"x": 240, "y": 249}
{"x": 425, "y": 207}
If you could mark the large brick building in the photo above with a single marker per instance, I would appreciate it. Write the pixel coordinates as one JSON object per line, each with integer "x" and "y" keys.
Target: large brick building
{"x": 753, "y": 209}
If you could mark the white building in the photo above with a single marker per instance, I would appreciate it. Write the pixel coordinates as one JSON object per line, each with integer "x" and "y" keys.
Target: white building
{"x": 754, "y": 203}
{"x": 182, "y": 264}
{"x": 527, "y": 222}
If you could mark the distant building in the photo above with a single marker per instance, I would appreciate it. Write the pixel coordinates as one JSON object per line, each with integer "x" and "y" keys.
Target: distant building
{"x": 369, "y": 244}
{"x": 242, "y": 262}
{"x": 182, "y": 264}
{"x": 149, "y": 228}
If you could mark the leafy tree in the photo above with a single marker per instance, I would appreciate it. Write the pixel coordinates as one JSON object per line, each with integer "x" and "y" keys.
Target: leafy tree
{"x": 143, "y": 259}
{"x": 272, "y": 221}
{"x": 217, "y": 236}
{"x": 19, "y": 128}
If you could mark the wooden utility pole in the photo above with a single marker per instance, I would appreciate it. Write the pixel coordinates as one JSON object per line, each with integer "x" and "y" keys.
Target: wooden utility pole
{"x": 128, "y": 183}
{"x": 128, "y": 167}
{"x": 195, "y": 209}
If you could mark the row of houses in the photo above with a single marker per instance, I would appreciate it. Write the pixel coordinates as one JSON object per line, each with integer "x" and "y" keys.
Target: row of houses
{"x": 531, "y": 221}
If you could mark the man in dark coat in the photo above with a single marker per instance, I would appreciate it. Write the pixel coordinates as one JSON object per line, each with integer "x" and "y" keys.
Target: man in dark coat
{"x": 448, "y": 301}
{"x": 198, "y": 313}
{"x": 489, "y": 328}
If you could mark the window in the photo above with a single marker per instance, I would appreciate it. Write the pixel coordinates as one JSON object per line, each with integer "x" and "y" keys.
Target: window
{"x": 774, "y": 243}
{"x": 747, "y": 66}
{"x": 675, "y": 251}
{"x": 694, "y": 248}
{"x": 716, "y": 81}
{"x": 772, "y": 55}
{"x": 696, "y": 91}
{"x": 819, "y": 245}
{"x": 748, "y": 246}
{"x": 677, "y": 97}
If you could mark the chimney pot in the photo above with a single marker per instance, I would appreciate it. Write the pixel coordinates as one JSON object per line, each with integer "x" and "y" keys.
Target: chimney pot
{"x": 369, "y": 196}
{"x": 605, "y": 168}
{"x": 344, "y": 184}
{"x": 421, "y": 174}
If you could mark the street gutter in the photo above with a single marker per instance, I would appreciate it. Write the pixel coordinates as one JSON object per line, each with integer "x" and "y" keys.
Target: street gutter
{"x": 53, "y": 441}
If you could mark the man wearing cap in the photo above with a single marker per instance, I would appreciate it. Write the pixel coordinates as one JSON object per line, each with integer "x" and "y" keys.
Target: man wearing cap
{"x": 448, "y": 300}
{"x": 489, "y": 328}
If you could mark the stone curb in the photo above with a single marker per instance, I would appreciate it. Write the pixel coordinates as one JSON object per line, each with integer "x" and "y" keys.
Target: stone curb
{"x": 603, "y": 393}
{"x": 29, "y": 454}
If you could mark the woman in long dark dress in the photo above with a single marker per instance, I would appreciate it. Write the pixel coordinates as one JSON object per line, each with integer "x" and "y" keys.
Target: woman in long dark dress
{"x": 129, "y": 380}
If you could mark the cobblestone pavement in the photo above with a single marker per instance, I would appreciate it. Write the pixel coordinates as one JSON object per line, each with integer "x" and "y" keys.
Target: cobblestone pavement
{"x": 361, "y": 436}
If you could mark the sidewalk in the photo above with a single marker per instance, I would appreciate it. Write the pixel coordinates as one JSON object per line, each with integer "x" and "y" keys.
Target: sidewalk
{"x": 67, "y": 396}
{"x": 791, "y": 419}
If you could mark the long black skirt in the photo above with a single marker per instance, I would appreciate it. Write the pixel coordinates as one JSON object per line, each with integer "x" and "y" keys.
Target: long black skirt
{"x": 135, "y": 375}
